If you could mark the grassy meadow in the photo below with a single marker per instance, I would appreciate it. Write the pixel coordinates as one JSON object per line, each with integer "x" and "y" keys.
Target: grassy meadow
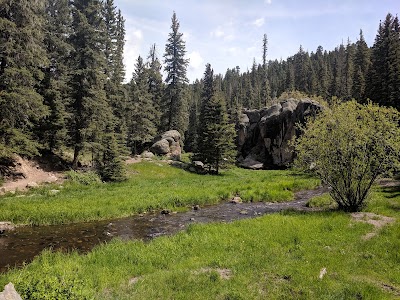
{"x": 151, "y": 186}
{"x": 278, "y": 256}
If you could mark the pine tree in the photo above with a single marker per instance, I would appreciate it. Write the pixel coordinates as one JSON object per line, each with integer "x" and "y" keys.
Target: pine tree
{"x": 175, "y": 99}
{"x": 114, "y": 70}
{"x": 382, "y": 74}
{"x": 349, "y": 71}
{"x": 155, "y": 83}
{"x": 339, "y": 65}
{"x": 90, "y": 111}
{"x": 322, "y": 73}
{"x": 21, "y": 57}
{"x": 194, "y": 109}
{"x": 216, "y": 134}
{"x": 54, "y": 89}
{"x": 265, "y": 88}
{"x": 394, "y": 65}
{"x": 109, "y": 163}
{"x": 141, "y": 111}
{"x": 362, "y": 63}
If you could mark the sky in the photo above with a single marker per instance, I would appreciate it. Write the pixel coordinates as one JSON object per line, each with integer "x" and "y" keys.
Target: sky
{"x": 229, "y": 33}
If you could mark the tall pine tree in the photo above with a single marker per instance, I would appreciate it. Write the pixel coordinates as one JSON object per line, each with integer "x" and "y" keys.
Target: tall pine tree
{"x": 175, "y": 98}
{"x": 265, "y": 87}
{"x": 54, "y": 89}
{"x": 362, "y": 63}
{"x": 90, "y": 111}
{"x": 141, "y": 110}
{"x": 22, "y": 56}
{"x": 216, "y": 135}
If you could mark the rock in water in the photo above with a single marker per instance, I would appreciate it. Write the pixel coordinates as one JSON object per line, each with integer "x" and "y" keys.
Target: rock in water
{"x": 264, "y": 135}
{"x": 10, "y": 293}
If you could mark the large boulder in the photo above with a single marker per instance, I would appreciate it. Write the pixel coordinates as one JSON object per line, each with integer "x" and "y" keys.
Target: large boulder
{"x": 264, "y": 135}
{"x": 168, "y": 144}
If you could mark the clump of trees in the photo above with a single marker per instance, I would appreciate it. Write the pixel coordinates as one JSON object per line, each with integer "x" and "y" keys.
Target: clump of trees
{"x": 348, "y": 147}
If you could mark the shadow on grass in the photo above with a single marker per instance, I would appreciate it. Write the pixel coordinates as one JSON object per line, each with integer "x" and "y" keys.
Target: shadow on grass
{"x": 391, "y": 192}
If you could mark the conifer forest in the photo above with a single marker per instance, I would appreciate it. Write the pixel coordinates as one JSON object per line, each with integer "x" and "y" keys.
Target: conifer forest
{"x": 62, "y": 82}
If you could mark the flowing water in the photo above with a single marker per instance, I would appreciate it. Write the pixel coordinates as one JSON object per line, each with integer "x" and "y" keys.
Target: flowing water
{"x": 24, "y": 243}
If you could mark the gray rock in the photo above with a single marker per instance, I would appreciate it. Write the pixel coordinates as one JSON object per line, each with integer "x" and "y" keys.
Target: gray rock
{"x": 160, "y": 148}
{"x": 236, "y": 200}
{"x": 6, "y": 226}
{"x": 250, "y": 163}
{"x": 10, "y": 293}
{"x": 266, "y": 143}
{"x": 32, "y": 185}
{"x": 147, "y": 154}
{"x": 168, "y": 144}
{"x": 174, "y": 134}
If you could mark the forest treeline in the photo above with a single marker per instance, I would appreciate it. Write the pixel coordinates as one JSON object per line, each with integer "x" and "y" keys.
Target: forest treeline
{"x": 62, "y": 82}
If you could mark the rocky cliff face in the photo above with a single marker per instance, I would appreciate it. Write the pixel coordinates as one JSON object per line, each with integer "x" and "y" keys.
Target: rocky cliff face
{"x": 264, "y": 135}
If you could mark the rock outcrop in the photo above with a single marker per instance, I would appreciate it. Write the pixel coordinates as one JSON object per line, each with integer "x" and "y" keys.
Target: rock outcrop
{"x": 10, "y": 293}
{"x": 264, "y": 135}
{"x": 168, "y": 144}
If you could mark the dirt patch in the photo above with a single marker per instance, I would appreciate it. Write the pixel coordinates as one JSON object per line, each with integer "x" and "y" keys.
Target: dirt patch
{"x": 377, "y": 221}
{"x": 133, "y": 160}
{"x": 32, "y": 174}
{"x": 388, "y": 182}
{"x": 224, "y": 274}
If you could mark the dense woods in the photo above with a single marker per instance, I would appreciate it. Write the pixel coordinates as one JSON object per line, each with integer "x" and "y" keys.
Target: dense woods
{"x": 62, "y": 73}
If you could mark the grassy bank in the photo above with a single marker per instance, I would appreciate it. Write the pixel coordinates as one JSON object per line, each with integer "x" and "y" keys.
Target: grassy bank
{"x": 276, "y": 256}
{"x": 151, "y": 185}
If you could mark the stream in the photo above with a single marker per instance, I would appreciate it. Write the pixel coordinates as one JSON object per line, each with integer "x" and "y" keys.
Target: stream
{"x": 24, "y": 243}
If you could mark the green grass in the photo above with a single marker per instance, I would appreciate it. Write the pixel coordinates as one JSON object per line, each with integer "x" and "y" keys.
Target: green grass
{"x": 151, "y": 186}
{"x": 277, "y": 256}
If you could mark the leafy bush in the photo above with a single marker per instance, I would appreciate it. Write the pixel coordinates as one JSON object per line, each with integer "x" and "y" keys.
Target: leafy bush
{"x": 348, "y": 147}
{"x": 85, "y": 178}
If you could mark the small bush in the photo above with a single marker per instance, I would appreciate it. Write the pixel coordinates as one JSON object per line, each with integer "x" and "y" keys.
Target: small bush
{"x": 85, "y": 178}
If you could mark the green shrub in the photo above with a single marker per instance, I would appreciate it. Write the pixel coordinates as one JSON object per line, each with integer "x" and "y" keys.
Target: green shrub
{"x": 85, "y": 178}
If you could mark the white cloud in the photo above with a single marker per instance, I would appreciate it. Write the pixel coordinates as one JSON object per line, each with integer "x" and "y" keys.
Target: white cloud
{"x": 134, "y": 40}
{"x": 196, "y": 65}
{"x": 259, "y": 22}
{"x": 268, "y": 1}
{"x": 217, "y": 32}
{"x": 196, "y": 60}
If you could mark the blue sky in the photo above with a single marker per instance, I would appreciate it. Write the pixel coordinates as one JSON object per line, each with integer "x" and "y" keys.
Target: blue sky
{"x": 228, "y": 33}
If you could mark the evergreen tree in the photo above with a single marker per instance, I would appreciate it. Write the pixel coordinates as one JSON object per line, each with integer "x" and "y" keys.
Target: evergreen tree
{"x": 216, "y": 135}
{"x": 155, "y": 82}
{"x": 52, "y": 129}
{"x": 21, "y": 57}
{"x": 339, "y": 65}
{"x": 114, "y": 70}
{"x": 109, "y": 163}
{"x": 384, "y": 75}
{"x": 175, "y": 99}
{"x": 194, "y": 109}
{"x": 322, "y": 73}
{"x": 362, "y": 64}
{"x": 265, "y": 89}
{"x": 349, "y": 71}
{"x": 90, "y": 111}
{"x": 141, "y": 111}
{"x": 394, "y": 65}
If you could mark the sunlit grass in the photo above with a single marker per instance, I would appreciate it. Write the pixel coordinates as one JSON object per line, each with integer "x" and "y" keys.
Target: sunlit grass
{"x": 151, "y": 186}
{"x": 277, "y": 256}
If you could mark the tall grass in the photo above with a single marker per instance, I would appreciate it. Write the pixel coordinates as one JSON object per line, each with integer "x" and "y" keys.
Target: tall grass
{"x": 151, "y": 186}
{"x": 276, "y": 256}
